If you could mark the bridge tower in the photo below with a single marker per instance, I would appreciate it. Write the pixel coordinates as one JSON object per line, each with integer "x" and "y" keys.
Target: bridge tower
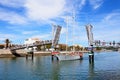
{"x": 56, "y": 29}
{"x": 90, "y": 41}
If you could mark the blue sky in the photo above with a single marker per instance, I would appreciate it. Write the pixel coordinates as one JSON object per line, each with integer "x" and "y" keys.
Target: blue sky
{"x": 22, "y": 19}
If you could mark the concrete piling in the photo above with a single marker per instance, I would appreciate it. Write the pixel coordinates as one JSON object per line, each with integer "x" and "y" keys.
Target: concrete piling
{"x": 30, "y": 54}
{"x": 91, "y": 55}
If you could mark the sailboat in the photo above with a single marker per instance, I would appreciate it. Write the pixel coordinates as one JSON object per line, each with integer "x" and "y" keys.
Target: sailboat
{"x": 67, "y": 55}
{"x": 119, "y": 50}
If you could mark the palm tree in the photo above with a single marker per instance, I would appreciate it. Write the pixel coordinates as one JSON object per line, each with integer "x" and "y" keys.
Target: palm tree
{"x": 7, "y": 42}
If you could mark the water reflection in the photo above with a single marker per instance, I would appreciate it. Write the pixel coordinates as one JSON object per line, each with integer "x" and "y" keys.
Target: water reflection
{"x": 66, "y": 70}
{"x": 105, "y": 67}
{"x": 55, "y": 70}
{"x": 91, "y": 71}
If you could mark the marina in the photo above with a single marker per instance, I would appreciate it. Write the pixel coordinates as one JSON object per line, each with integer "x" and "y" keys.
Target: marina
{"x": 59, "y": 40}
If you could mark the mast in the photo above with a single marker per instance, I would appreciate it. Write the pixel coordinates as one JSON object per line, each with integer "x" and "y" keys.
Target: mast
{"x": 66, "y": 32}
{"x": 53, "y": 33}
{"x": 73, "y": 35}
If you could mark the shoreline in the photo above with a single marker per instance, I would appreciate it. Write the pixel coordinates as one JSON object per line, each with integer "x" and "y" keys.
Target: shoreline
{"x": 6, "y": 53}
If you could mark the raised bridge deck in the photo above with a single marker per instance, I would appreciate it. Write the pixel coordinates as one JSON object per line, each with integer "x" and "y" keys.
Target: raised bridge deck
{"x": 16, "y": 47}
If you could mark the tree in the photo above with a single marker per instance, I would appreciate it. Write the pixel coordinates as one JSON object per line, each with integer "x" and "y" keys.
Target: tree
{"x": 77, "y": 48}
{"x": 48, "y": 46}
{"x": 98, "y": 48}
{"x": 7, "y": 42}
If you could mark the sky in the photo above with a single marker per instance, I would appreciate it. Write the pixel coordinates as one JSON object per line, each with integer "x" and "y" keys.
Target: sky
{"x": 22, "y": 19}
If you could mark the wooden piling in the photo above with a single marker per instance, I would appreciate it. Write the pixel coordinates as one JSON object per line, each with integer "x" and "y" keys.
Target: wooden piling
{"x": 91, "y": 58}
{"x": 52, "y": 57}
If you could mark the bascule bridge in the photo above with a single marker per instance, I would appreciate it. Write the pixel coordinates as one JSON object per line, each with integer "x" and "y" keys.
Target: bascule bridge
{"x": 56, "y": 29}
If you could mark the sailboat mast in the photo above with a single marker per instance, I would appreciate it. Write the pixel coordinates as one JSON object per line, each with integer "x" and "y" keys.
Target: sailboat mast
{"x": 52, "y": 35}
{"x": 73, "y": 26}
{"x": 66, "y": 32}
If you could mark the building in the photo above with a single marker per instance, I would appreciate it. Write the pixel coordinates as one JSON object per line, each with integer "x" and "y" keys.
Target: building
{"x": 31, "y": 41}
{"x": 2, "y": 46}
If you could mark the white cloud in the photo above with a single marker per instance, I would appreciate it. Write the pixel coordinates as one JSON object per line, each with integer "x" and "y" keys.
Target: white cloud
{"x": 108, "y": 29}
{"x": 63, "y": 31}
{"x": 12, "y": 17}
{"x": 29, "y": 32}
{"x": 96, "y": 3}
{"x": 107, "y": 35}
{"x": 12, "y": 3}
{"x": 112, "y": 15}
{"x": 74, "y": 5}
{"x": 6, "y": 36}
{"x": 43, "y": 36}
{"x": 112, "y": 18}
{"x": 82, "y": 3}
{"x": 44, "y": 9}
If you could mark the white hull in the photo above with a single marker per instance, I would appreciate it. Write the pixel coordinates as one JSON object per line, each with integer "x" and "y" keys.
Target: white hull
{"x": 67, "y": 57}
{"x": 119, "y": 50}
{"x": 29, "y": 51}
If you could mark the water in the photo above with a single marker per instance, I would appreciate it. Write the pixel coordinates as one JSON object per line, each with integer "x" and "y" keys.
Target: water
{"x": 106, "y": 67}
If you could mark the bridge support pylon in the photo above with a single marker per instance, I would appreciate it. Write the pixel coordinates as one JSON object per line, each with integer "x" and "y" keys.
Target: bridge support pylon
{"x": 30, "y": 54}
{"x": 91, "y": 55}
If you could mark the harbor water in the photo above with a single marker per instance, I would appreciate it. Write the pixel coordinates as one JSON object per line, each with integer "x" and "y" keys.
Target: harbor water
{"x": 106, "y": 66}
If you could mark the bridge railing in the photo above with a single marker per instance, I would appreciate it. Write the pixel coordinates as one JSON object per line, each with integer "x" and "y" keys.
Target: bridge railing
{"x": 31, "y": 45}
